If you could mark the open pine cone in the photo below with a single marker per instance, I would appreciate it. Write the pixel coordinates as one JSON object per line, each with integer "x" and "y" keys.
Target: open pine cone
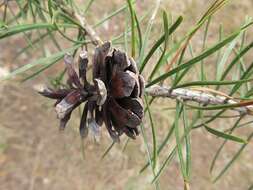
{"x": 114, "y": 98}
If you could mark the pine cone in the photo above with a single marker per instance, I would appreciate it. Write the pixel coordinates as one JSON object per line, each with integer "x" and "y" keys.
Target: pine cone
{"x": 114, "y": 98}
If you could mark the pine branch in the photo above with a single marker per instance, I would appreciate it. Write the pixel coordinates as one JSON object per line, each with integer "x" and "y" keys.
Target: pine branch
{"x": 84, "y": 24}
{"x": 200, "y": 97}
{"x": 184, "y": 94}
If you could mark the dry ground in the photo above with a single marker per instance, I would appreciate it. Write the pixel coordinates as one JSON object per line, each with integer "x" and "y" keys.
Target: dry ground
{"x": 35, "y": 156}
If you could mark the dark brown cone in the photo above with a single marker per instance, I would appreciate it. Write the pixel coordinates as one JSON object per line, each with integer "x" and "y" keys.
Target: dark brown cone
{"x": 124, "y": 87}
{"x": 112, "y": 98}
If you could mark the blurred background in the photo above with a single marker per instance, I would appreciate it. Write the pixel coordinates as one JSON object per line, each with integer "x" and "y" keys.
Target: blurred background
{"x": 34, "y": 155}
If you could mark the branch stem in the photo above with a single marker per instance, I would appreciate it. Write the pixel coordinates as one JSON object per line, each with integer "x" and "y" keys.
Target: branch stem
{"x": 203, "y": 98}
{"x": 96, "y": 40}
